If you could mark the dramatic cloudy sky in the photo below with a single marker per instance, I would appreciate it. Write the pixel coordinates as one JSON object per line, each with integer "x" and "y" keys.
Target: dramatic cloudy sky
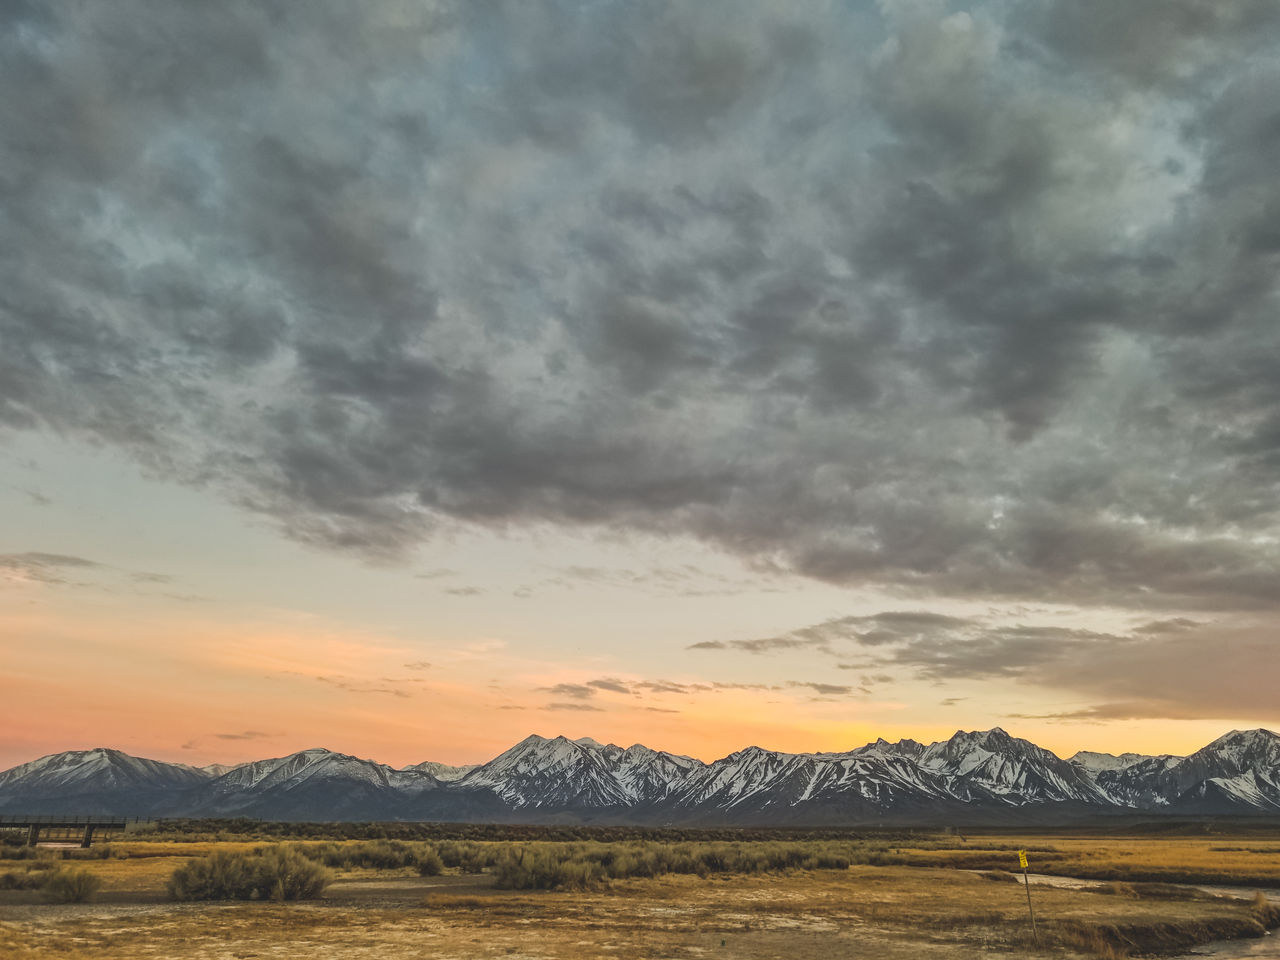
{"x": 407, "y": 377}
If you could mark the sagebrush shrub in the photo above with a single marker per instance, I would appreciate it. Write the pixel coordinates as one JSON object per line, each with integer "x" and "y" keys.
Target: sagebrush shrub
{"x": 71, "y": 886}
{"x": 276, "y": 873}
{"x": 429, "y": 863}
{"x": 23, "y": 879}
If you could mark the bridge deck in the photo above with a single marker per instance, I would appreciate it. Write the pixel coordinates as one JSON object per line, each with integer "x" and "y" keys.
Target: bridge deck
{"x": 62, "y": 822}
{"x": 68, "y": 820}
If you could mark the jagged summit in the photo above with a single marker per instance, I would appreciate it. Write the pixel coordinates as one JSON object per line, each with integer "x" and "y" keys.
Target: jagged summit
{"x": 443, "y": 772}
{"x": 1244, "y": 743}
{"x": 883, "y": 747}
{"x": 1095, "y": 763}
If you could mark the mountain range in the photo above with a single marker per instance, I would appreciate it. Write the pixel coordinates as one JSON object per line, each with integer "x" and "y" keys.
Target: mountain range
{"x": 971, "y": 778}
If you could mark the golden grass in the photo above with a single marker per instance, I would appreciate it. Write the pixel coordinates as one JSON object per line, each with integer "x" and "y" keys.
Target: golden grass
{"x": 1170, "y": 860}
{"x": 892, "y": 911}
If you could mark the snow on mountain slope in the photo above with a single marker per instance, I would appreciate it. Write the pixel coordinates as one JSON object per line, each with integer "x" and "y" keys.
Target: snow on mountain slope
{"x": 883, "y": 748}
{"x": 98, "y": 781}
{"x": 442, "y": 771}
{"x": 1238, "y": 752}
{"x": 972, "y": 774}
{"x": 755, "y": 782}
{"x": 314, "y": 784}
{"x": 1095, "y": 763}
{"x": 542, "y": 773}
{"x": 1241, "y": 765}
{"x": 651, "y": 775}
{"x": 82, "y": 771}
{"x": 1239, "y": 770}
{"x": 316, "y": 765}
{"x": 990, "y": 764}
{"x": 218, "y": 769}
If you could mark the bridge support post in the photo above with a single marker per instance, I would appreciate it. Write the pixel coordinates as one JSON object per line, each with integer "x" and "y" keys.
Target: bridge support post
{"x": 88, "y": 836}
{"x": 33, "y": 834}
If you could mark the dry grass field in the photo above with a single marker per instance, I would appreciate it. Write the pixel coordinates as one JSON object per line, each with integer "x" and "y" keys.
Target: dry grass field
{"x": 1250, "y": 860}
{"x": 910, "y": 902}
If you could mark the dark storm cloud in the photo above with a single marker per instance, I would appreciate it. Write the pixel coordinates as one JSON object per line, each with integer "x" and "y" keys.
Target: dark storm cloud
{"x": 1154, "y": 42}
{"x": 992, "y": 652}
{"x": 947, "y": 299}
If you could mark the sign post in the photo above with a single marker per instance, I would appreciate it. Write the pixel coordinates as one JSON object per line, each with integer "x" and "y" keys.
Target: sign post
{"x": 1026, "y": 882}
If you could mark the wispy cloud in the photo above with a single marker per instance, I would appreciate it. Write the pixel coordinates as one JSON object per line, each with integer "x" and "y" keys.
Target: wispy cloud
{"x": 352, "y": 686}
{"x": 611, "y": 684}
{"x": 439, "y": 573}
{"x": 578, "y": 691}
{"x": 49, "y": 568}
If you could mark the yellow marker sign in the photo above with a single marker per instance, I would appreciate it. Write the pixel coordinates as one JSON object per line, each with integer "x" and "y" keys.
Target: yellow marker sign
{"x": 1022, "y": 859}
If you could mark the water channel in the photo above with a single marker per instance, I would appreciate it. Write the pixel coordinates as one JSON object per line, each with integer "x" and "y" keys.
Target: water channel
{"x": 1261, "y": 948}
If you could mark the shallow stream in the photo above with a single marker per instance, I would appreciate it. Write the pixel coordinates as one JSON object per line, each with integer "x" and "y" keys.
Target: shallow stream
{"x": 1263, "y": 948}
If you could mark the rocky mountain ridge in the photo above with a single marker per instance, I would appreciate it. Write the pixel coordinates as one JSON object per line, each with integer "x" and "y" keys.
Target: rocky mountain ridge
{"x": 980, "y": 776}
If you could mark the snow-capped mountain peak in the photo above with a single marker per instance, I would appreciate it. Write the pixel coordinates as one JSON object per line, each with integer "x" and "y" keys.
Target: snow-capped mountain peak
{"x": 1242, "y": 749}
{"x": 76, "y": 772}
{"x": 539, "y": 772}
{"x": 973, "y": 774}
{"x": 990, "y": 763}
{"x": 883, "y": 748}
{"x": 1094, "y": 763}
{"x": 441, "y": 771}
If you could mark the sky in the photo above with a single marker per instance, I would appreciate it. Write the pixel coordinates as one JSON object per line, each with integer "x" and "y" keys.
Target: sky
{"x": 409, "y": 377}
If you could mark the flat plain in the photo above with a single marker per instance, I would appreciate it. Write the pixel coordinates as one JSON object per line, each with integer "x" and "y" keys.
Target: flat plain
{"x": 906, "y": 896}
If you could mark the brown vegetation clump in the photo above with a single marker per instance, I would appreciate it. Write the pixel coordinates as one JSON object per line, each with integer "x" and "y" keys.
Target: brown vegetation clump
{"x": 1268, "y": 913}
{"x": 71, "y": 886}
{"x": 277, "y": 873}
{"x": 1174, "y": 936}
{"x": 585, "y": 866}
{"x": 32, "y": 878}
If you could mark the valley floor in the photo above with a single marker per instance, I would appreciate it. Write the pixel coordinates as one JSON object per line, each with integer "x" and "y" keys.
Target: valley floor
{"x": 888, "y": 911}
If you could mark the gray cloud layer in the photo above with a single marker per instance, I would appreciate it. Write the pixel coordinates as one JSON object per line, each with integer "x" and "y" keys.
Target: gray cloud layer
{"x": 1167, "y": 669}
{"x": 980, "y": 301}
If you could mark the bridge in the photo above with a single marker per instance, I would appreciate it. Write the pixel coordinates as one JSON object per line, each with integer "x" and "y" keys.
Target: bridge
{"x": 82, "y": 826}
